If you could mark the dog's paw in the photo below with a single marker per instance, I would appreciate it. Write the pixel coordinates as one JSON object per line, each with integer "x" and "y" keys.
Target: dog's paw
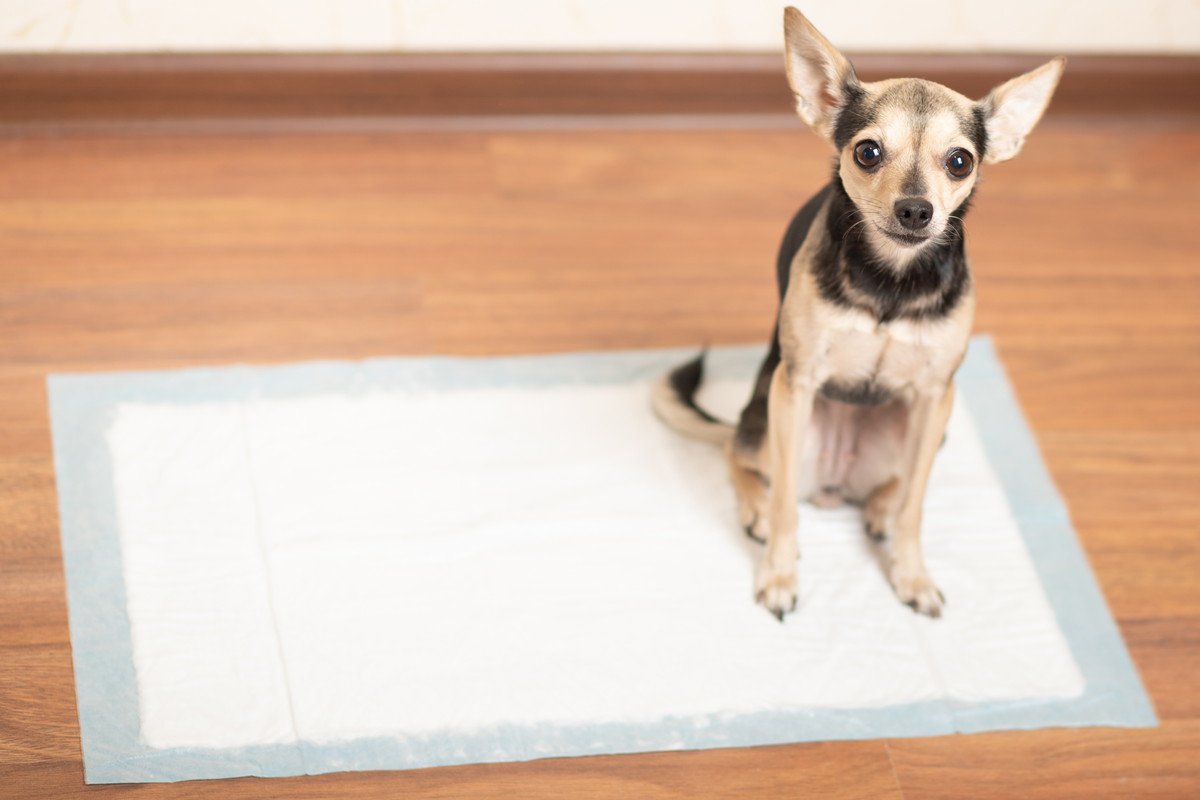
{"x": 776, "y": 590}
{"x": 917, "y": 590}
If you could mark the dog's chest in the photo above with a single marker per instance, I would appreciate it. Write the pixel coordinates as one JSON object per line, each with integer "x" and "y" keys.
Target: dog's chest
{"x": 866, "y": 362}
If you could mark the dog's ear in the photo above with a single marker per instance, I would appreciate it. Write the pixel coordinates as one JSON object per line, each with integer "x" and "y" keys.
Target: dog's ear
{"x": 1012, "y": 109}
{"x": 821, "y": 77}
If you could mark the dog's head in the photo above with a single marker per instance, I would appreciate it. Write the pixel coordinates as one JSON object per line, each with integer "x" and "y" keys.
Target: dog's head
{"x": 908, "y": 149}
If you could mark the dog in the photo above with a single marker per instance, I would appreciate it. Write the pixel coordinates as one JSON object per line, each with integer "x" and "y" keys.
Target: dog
{"x": 876, "y": 304}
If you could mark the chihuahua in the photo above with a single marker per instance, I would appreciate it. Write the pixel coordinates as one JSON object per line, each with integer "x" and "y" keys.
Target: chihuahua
{"x": 876, "y": 306}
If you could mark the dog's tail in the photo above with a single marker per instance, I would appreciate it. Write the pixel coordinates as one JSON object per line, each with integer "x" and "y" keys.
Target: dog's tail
{"x": 674, "y": 400}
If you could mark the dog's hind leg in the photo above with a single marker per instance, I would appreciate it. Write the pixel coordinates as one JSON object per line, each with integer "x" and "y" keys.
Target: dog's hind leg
{"x": 880, "y": 508}
{"x": 746, "y": 452}
{"x": 751, "y": 486}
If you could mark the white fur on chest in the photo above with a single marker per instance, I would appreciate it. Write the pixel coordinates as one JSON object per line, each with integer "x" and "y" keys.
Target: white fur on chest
{"x": 903, "y": 356}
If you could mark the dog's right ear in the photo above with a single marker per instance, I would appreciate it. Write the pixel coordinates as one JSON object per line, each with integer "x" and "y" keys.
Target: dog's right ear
{"x": 820, "y": 76}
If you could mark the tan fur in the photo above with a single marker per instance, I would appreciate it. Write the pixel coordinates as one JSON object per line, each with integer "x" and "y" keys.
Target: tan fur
{"x": 880, "y": 507}
{"x": 662, "y": 400}
{"x": 917, "y": 360}
{"x": 1017, "y": 105}
{"x": 883, "y": 455}
{"x": 822, "y": 449}
{"x": 874, "y": 193}
{"x": 812, "y": 63}
{"x": 752, "y": 489}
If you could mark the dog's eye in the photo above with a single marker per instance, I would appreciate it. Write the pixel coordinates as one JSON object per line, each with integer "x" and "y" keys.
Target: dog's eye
{"x": 959, "y": 163}
{"x": 868, "y": 154}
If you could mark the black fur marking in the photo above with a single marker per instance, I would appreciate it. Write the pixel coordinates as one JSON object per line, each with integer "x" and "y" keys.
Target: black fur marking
{"x": 752, "y": 425}
{"x": 923, "y": 101}
{"x": 929, "y": 286}
{"x": 793, "y": 238}
{"x": 865, "y": 393}
{"x": 914, "y": 184}
{"x": 976, "y": 131}
{"x": 685, "y": 380}
{"x": 856, "y": 114}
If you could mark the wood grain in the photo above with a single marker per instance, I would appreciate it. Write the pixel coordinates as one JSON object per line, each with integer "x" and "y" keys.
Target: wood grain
{"x": 294, "y": 91}
{"x": 162, "y": 251}
{"x": 1081, "y": 763}
{"x": 858, "y": 770}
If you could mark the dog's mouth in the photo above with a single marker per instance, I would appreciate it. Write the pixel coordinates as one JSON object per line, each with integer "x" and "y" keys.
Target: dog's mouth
{"x": 906, "y": 239}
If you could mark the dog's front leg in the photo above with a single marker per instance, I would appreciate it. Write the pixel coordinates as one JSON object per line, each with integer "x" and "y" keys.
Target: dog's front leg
{"x": 789, "y": 409}
{"x": 926, "y": 427}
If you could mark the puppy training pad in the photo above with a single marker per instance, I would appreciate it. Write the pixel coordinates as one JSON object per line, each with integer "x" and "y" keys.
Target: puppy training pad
{"x": 413, "y": 562}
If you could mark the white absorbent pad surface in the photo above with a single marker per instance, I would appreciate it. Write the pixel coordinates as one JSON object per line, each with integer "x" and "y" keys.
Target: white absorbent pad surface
{"x": 413, "y": 562}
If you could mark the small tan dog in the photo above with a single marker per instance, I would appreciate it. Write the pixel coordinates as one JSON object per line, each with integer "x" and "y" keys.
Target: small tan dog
{"x": 876, "y": 306}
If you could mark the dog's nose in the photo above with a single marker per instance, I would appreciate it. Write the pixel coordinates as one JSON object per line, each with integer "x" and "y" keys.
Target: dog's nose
{"x": 913, "y": 212}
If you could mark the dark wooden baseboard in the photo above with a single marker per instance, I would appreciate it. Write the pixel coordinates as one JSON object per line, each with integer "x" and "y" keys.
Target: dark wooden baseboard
{"x": 57, "y": 93}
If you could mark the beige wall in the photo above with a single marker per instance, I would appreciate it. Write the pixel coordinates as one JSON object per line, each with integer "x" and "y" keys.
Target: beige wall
{"x": 1157, "y": 26}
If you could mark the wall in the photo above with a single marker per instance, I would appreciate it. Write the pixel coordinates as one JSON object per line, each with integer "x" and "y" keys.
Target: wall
{"x": 1151, "y": 26}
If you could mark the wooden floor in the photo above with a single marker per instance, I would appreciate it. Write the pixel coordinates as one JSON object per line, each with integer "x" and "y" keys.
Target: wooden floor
{"x": 158, "y": 251}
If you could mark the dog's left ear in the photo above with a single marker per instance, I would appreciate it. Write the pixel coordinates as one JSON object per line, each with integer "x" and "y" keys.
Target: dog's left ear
{"x": 820, "y": 76}
{"x": 1012, "y": 109}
